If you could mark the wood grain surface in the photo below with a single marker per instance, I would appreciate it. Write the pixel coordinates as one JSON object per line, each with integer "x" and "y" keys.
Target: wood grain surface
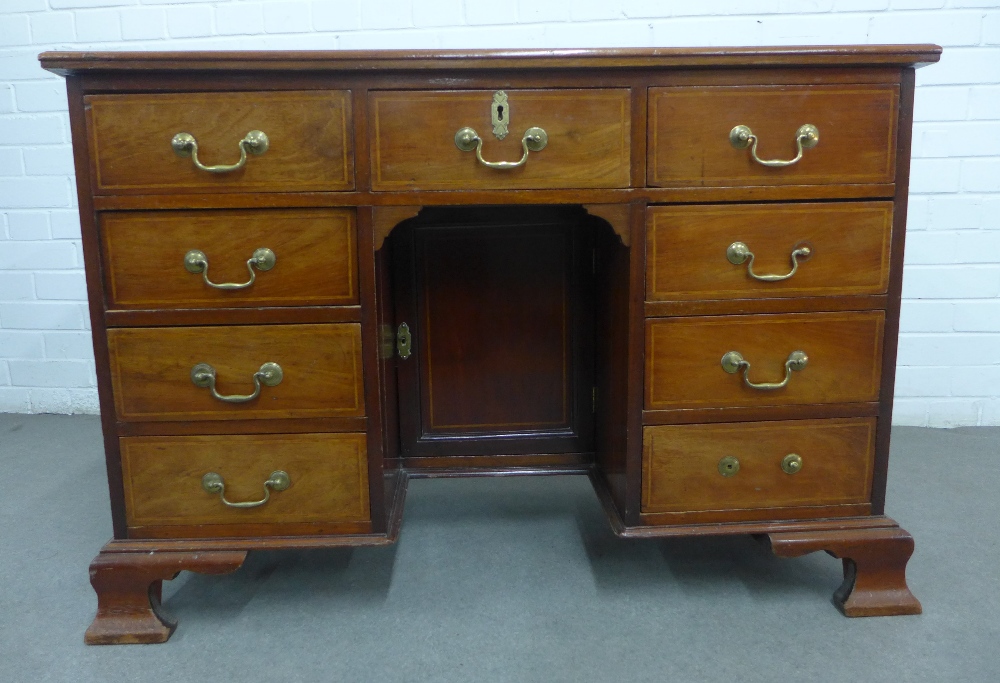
{"x": 689, "y": 134}
{"x": 683, "y": 359}
{"x": 369, "y": 61}
{"x": 315, "y": 258}
{"x": 686, "y": 250}
{"x": 414, "y": 139}
{"x": 498, "y": 304}
{"x": 328, "y": 474}
{"x": 680, "y": 464}
{"x": 310, "y": 148}
{"x": 151, "y": 371}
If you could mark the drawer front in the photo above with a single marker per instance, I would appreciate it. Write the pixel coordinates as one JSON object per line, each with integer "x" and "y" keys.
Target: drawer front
{"x": 414, "y": 145}
{"x": 327, "y": 476}
{"x": 701, "y": 252}
{"x": 684, "y": 359}
{"x": 689, "y": 135}
{"x": 147, "y": 265}
{"x": 152, "y": 368}
{"x": 309, "y": 147}
{"x": 681, "y": 465}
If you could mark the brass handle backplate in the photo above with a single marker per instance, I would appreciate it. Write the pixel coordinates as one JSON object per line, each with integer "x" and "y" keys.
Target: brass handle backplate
{"x": 270, "y": 375}
{"x": 534, "y": 140}
{"x": 791, "y": 463}
{"x": 733, "y": 362}
{"x": 278, "y": 481}
{"x": 806, "y": 137}
{"x": 739, "y": 253}
{"x": 263, "y": 259}
{"x": 255, "y": 142}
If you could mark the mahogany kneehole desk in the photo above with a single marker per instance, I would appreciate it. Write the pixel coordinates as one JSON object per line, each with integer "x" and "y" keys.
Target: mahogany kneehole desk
{"x": 314, "y": 275}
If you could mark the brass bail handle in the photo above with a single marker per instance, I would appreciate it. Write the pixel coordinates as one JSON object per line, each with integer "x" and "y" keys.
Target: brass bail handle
{"x": 255, "y": 142}
{"x": 734, "y": 362}
{"x": 212, "y": 482}
{"x": 738, "y": 253}
{"x": 270, "y": 374}
{"x": 534, "y": 140}
{"x": 806, "y": 137}
{"x": 263, "y": 259}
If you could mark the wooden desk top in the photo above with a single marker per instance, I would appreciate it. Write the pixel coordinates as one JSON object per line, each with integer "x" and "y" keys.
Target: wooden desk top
{"x": 414, "y": 60}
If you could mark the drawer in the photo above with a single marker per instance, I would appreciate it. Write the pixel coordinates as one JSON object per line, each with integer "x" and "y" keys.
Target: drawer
{"x": 414, "y": 145}
{"x": 685, "y": 369}
{"x": 153, "y": 376}
{"x": 689, "y": 135}
{"x": 737, "y": 250}
{"x": 309, "y": 146}
{"x": 147, "y": 264}
{"x": 327, "y": 479}
{"x": 682, "y": 465}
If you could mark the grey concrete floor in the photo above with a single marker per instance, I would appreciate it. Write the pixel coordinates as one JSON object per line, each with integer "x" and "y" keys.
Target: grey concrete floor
{"x": 516, "y": 579}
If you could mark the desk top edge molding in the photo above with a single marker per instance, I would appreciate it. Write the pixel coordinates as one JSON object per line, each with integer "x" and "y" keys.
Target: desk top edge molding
{"x": 66, "y": 63}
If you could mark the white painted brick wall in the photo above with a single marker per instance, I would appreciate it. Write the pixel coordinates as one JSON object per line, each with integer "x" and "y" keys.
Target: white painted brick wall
{"x": 949, "y": 356}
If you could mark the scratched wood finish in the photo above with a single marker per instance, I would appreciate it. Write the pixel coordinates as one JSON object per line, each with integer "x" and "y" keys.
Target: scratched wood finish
{"x": 686, "y": 250}
{"x": 315, "y": 258}
{"x": 328, "y": 474}
{"x": 680, "y": 465}
{"x": 151, "y": 371}
{"x": 684, "y": 370}
{"x": 310, "y": 148}
{"x": 689, "y": 134}
{"x": 413, "y": 146}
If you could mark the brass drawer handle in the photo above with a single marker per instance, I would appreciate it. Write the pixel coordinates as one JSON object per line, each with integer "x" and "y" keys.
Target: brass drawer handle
{"x": 255, "y": 142}
{"x": 791, "y": 463}
{"x": 212, "y": 482}
{"x": 806, "y": 137}
{"x": 534, "y": 140}
{"x": 195, "y": 261}
{"x": 739, "y": 253}
{"x": 733, "y": 362}
{"x": 270, "y": 374}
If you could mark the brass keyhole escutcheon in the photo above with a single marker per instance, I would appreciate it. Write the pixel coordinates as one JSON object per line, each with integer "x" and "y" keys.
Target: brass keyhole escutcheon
{"x": 729, "y": 466}
{"x": 500, "y": 114}
{"x": 791, "y": 463}
{"x": 404, "y": 341}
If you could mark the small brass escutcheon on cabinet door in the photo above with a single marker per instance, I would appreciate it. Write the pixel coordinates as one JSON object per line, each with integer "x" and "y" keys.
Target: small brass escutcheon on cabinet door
{"x": 403, "y": 341}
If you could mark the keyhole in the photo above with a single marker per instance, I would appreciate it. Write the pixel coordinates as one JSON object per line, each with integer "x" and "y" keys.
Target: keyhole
{"x": 500, "y": 113}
